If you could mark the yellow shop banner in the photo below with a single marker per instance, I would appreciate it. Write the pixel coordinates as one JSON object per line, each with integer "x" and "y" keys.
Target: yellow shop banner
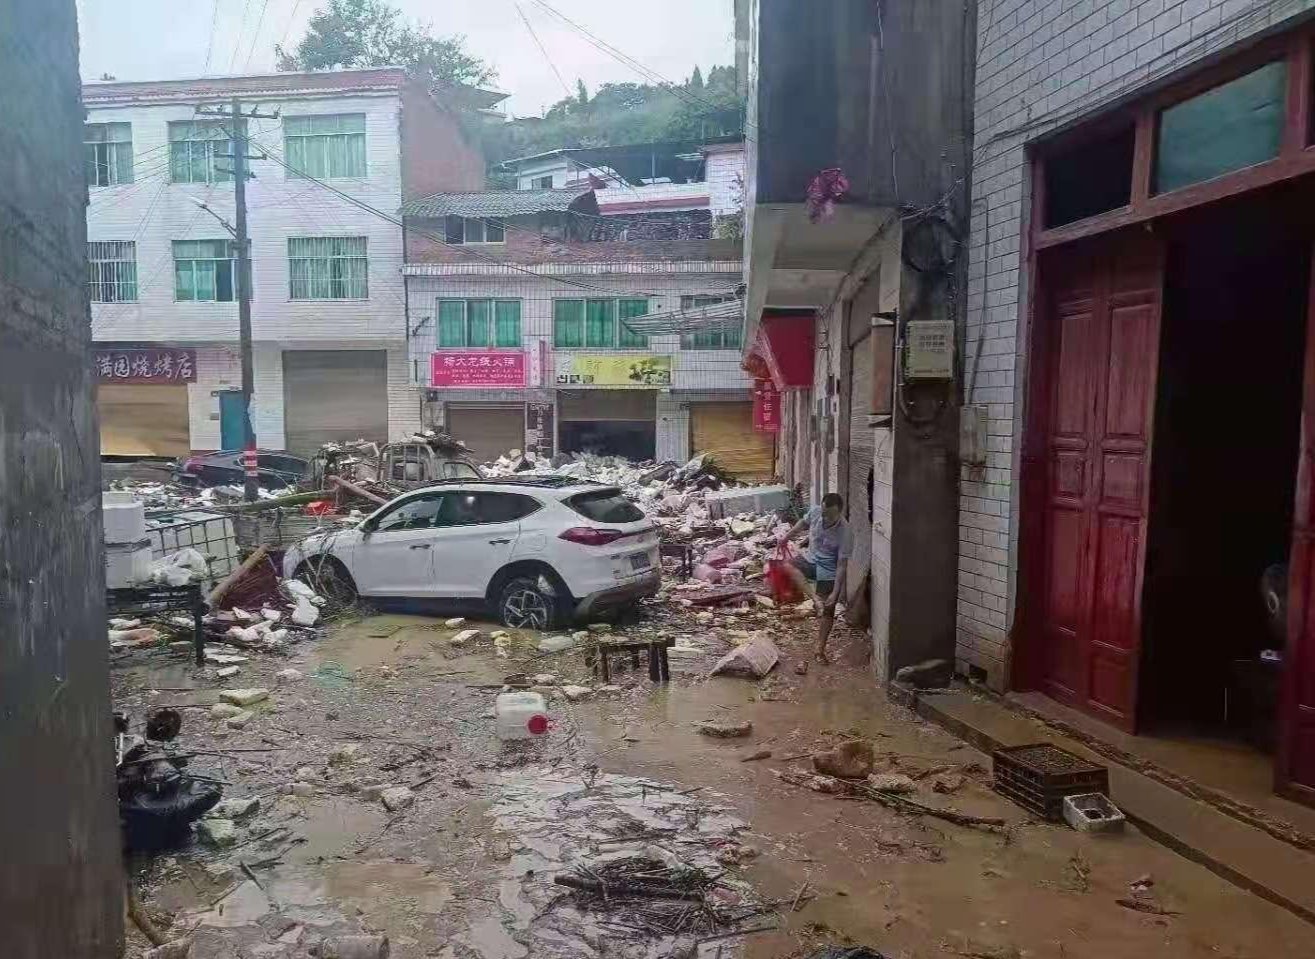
{"x": 611, "y": 369}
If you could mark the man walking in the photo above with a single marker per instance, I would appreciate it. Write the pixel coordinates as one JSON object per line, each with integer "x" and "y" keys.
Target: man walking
{"x": 820, "y": 572}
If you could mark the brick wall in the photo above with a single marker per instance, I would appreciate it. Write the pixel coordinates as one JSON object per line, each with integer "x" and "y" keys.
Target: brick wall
{"x": 539, "y": 239}
{"x": 1042, "y": 64}
{"x": 437, "y": 157}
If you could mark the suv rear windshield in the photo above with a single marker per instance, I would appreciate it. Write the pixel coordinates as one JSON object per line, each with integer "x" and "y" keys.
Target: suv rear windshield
{"x": 606, "y": 505}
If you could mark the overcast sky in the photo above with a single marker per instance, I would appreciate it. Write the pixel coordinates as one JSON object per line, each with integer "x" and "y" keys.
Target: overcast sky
{"x": 161, "y": 39}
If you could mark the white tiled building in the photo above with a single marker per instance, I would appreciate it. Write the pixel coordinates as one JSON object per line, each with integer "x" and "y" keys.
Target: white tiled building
{"x": 328, "y": 313}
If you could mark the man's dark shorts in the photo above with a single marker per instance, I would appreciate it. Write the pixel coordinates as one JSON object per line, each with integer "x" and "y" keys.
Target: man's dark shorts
{"x": 806, "y": 566}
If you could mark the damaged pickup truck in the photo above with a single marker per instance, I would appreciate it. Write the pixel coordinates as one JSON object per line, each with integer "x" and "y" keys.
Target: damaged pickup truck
{"x": 537, "y": 552}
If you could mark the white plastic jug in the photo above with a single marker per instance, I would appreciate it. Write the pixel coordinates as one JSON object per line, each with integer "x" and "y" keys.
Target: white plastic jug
{"x": 520, "y": 716}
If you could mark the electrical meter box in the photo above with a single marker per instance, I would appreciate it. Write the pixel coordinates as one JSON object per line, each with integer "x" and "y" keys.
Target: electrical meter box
{"x": 929, "y": 350}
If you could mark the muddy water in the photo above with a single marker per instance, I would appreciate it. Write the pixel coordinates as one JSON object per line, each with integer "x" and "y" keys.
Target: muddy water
{"x": 466, "y": 872}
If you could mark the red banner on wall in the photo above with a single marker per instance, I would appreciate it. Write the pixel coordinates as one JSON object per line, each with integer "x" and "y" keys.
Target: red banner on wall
{"x": 146, "y": 366}
{"x": 488, "y": 368}
{"x": 766, "y": 407}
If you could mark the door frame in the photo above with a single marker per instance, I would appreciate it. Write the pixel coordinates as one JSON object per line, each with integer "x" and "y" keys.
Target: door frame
{"x": 1301, "y": 588}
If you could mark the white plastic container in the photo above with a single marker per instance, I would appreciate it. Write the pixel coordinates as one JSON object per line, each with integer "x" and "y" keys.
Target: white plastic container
{"x": 752, "y": 499}
{"x": 124, "y": 518}
{"x": 1092, "y": 812}
{"x": 127, "y": 565}
{"x": 520, "y": 716}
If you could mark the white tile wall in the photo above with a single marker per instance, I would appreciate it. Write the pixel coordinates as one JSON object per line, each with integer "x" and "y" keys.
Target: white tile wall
{"x": 1040, "y": 64}
{"x": 724, "y": 173}
{"x": 153, "y": 212}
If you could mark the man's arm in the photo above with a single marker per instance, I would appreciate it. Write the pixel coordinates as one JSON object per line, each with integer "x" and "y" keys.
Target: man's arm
{"x": 795, "y": 530}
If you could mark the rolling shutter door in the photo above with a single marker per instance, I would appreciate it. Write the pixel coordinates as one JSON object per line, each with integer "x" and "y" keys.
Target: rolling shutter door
{"x": 143, "y": 420}
{"x": 489, "y": 431}
{"x": 334, "y": 396}
{"x": 861, "y": 458}
{"x": 726, "y": 431}
{"x": 639, "y": 406}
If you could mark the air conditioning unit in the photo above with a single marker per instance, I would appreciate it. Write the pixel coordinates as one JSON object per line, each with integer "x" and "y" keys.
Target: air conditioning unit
{"x": 929, "y": 350}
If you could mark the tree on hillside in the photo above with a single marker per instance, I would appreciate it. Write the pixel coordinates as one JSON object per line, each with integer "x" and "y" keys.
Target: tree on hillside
{"x": 370, "y": 33}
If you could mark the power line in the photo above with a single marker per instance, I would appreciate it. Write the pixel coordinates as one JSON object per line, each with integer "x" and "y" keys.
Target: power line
{"x": 237, "y": 43}
{"x": 255, "y": 36}
{"x": 210, "y": 44}
{"x": 538, "y": 43}
{"x": 291, "y": 19}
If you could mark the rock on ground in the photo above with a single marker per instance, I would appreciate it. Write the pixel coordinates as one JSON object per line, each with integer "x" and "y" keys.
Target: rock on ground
{"x": 896, "y": 783}
{"x": 243, "y": 697}
{"x": 234, "y": 808}
{"x": 225, "y": 711}
{"x": 720, "y": 730}
{"x": 217, "y": 832}
{"x": 228, "y": 671}
{"x": 455, "y": 622}
{"x": 288, "y": 676}
{"x": 464, "y": 637}
{"x": 243, "y": 717}
{"x": 396, "y": 798}
{"x": 850, "y": 760}
{"x": 576, "y": 693}
{"x": 754, "y": 659}
{"x": 344, "y": 753}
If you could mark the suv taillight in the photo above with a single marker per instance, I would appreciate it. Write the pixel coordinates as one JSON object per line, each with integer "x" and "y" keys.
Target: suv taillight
{"x": 590, "y": 535}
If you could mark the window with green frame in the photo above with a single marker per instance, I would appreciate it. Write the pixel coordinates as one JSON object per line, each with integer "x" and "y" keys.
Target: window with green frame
{"x": 463, "y": 323}
{"x": 107, "y": 153}
{"x": 204, "y": 270}
{"x": 719, "y": 339}
{"x": 597, "y": 324}
{"x": 200, "y": 151}
{"x": 328, "y": 267}
{"x": 325, "y": 147}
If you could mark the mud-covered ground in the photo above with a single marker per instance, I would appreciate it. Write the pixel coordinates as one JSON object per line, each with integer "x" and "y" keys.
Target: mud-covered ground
{"x": 466, "y": 870}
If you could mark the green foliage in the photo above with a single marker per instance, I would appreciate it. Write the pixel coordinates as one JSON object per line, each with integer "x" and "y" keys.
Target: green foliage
{"x": 625, "y": 113}
{"x": 370, "y": 33}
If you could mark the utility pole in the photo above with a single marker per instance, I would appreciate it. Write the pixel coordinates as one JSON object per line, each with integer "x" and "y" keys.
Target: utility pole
{"x": 242, "y": 280}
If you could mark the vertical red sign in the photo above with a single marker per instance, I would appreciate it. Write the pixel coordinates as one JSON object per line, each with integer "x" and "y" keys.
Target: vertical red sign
{"x": 766, "y": 407}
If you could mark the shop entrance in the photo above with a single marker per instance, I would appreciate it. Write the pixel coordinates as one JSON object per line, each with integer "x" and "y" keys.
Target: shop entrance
{"x": 608, "y": 422}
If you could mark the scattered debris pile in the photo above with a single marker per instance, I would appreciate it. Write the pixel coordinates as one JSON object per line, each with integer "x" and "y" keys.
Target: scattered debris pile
{"x": 660, "y": 898}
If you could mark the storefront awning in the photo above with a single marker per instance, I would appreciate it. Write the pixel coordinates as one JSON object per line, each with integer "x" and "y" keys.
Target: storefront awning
{"x": 783, "y": 349}
{"x": 728, "y": 315}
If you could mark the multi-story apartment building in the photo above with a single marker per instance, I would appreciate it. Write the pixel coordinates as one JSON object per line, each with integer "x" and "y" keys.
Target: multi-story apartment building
{"x": 598, "y": 316}
{"x": 328, "y": 176}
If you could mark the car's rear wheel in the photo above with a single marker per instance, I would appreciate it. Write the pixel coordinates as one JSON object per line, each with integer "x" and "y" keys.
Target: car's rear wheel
{"x": 525, "y": 603}
{"x": 328, "y": 577}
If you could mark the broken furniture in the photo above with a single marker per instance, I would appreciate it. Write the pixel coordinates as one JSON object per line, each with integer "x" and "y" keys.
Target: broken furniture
{"x": 659, "y": 668}
{"x": 138, "y": 602}
{"x": 1039, "y": 775}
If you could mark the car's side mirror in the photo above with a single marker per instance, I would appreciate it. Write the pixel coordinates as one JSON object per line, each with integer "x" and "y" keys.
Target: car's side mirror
{"x": 368, "y": 527}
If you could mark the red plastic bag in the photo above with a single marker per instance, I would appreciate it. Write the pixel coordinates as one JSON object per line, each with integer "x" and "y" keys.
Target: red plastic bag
{"x": 779, "y": 580}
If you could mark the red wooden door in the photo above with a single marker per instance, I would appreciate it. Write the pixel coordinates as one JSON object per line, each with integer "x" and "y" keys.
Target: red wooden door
{"x": 1100, "y": 356}
{"x": 1294, "y": 768}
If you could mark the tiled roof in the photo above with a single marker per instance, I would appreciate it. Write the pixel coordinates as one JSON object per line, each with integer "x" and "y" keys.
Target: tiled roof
{"x": 499, "y": 203}
{"x": 319, "y": 81}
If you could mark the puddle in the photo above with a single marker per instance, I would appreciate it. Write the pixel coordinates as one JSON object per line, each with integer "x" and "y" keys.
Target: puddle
{"x": 548, "y": 822}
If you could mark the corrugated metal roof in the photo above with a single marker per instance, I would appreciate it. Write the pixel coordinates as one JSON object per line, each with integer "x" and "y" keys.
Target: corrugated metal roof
{"x": 496, "y": 203}
{"x": 697, "y": 319}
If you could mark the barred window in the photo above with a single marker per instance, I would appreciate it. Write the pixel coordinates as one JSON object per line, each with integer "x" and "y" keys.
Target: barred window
{"x": 204, "y": 270}
{"x": 325, "y": 147}
{"x": 328, "y": 268}
{"x": 200, "y": 151}
{"x": 597, "y": 324}
{"x": 720, "y": 339}
{"x": 479, "y": 323}
{"x": 107, "y": 151}
{"x": 112, "y": 271}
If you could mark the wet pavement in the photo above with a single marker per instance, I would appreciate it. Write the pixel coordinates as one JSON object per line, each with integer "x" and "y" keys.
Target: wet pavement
{"x": 466, "y": 870}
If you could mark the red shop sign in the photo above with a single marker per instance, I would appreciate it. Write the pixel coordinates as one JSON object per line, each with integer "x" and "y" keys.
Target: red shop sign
{"x": 766, "y": 407}
{"x": 146, "y": 366}
{"x": 458, "y": 368}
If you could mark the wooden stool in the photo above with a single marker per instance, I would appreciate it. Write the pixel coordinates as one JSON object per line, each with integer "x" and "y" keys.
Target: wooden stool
{"x": 659, "y": 668}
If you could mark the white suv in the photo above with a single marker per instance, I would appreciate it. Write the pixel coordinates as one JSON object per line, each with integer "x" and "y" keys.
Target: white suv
{"x": 537, "y": 551}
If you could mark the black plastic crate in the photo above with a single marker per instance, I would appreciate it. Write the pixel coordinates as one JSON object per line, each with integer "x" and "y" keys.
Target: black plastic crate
{"x": 1038, "y": 777}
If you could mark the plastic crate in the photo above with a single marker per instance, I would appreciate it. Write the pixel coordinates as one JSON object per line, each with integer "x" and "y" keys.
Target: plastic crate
{"x": 1038, "y": 776}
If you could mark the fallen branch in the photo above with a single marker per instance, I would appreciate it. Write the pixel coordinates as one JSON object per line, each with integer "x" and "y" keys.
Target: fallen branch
{"x": 638, "y": 890}
{"x": 232, "y": 579}
{"x": 139, "y": 918}
{"x": 852, "y": 790}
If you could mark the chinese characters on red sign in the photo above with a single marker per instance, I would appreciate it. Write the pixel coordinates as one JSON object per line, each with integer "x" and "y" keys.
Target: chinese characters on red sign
{"x": 766, "y": 407}
{"x": 146, "y": 366}
{"x": 477, "y": 368}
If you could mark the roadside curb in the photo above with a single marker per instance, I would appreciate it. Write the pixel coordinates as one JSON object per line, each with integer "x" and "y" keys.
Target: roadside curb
{"x": 1241, "y": 852}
